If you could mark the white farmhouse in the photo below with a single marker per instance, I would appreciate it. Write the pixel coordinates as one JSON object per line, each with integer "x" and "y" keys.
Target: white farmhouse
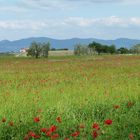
{"x": 23, "y": 50}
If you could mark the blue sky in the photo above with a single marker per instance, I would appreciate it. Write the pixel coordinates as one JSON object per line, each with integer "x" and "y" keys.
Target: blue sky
{"x": 60, "y": 19}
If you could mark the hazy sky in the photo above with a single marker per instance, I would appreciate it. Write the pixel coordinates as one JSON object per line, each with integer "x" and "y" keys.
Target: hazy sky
{"x": 105, "y": 19}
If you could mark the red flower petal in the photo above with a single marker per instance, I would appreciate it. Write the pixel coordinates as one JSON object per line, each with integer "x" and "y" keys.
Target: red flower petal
{"x": 36, "y": 119}
{"x": 96, "y": 126}
{"x": 108, "y": 121}
{"x": 3, "y": 119}
{"x": 58, "y": 119}
{"x": 11, "y": 123}
{"x": 75, "y": 134}
{"x": 95, "y": 134}
{"x": 44, "y": 130}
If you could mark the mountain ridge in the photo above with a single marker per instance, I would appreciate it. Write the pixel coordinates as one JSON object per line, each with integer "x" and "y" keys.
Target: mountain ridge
{"x": 16, "y": 45}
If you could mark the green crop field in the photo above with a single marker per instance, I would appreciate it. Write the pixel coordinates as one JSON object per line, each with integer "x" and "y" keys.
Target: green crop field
{"x": 70, "y": 98}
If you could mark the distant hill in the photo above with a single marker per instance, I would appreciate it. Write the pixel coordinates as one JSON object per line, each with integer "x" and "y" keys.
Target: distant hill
{"x": 15, "y": 46}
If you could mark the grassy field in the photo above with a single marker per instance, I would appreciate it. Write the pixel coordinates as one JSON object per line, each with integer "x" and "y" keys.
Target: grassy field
{"x": 70, "y": 98}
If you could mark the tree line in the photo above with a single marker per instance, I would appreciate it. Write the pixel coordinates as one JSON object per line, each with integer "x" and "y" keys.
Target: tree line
{"x": 41, "y": 49}
{"x": 97, "y": 48}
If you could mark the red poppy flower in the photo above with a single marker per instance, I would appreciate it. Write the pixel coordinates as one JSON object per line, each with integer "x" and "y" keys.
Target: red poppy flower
{"x": 36, "y": 119}
{"x": 130, "y": 104}
{"x": 31, "y": 134}
{"x": 54, "y": 136}
{"x": 11, "y": 123}
{"x": 3, "y": 119}
{"x": 58, "y": 119}
{"x": 48, "y": 133}
{"x": 37, "y": 136}
{"x": 95, "y": 134}
{"x": 116, "y": 106}
{"x": 96, "y": 126}
{"x": 131, "y": 136}
{"x": 75, "y": 134}
{"x": 108, "y": 122}
{"x": 66, "y": 139}
{"x": 53, "y": 128}
{"x": 43, "y": 130}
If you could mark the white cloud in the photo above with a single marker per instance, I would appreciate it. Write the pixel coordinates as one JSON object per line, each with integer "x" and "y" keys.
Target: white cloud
{"x": 135, "y": 21}
{"x": 81, "y": 22}
{"x": 21, "y": 25}
{"x": 113, "y": 21}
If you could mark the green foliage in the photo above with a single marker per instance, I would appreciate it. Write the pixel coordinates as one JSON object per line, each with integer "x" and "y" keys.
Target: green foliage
{"x": 136, "y": 49}
{"x": 112, "y": 49}
{"x": 99, "y": 48}
{"x": 123, "y": 50}
{"x": 45, "y": 49}
{"x": 37, "y": 49}
{"x": 93, "y": 48}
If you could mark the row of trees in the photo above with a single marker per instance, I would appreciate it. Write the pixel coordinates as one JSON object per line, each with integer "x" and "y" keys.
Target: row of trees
{"x": 38, "y": 49}
{"x": 41, "y": 49}
{"x": 97, "y": 48}
{"x": 135, "y": 49}
{"x": 93, "y": 48}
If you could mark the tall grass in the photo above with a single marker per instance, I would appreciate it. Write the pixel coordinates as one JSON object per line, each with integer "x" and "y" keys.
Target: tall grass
{"x": 81, "y": 91}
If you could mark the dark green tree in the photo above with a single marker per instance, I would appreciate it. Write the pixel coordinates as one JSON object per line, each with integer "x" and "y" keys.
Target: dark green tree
{"x": 123, "y": 50}
{"x": 38, "y": 49}
{"x": 105, "y": 49}
{"x": 97, "y": 47}
{"x": 45, "y": 47}
{"x": 34, "y": 50}
{"x": 112, "y": 49}
{"x": 91, "y": 47}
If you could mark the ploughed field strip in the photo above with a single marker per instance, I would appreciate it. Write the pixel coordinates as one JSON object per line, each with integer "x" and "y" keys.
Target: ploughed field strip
{"x": 81, "y": 98}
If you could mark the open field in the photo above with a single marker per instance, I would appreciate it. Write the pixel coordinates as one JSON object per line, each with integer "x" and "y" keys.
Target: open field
{"x": 81, "y": 98}
{"x": 61, "y": 53}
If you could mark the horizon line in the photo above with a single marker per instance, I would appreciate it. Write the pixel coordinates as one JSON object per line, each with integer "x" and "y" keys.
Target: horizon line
{"x": 68, "y": 38}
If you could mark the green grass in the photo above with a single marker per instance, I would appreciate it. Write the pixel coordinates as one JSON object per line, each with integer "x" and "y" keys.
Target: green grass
{"x": 81, "y": 90}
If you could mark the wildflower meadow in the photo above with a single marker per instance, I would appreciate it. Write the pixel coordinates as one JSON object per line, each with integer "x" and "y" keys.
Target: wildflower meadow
{"x": 70, "y": 98}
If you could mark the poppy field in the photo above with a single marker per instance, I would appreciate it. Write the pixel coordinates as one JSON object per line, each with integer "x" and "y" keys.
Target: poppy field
{"x": 72, "y": 98}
